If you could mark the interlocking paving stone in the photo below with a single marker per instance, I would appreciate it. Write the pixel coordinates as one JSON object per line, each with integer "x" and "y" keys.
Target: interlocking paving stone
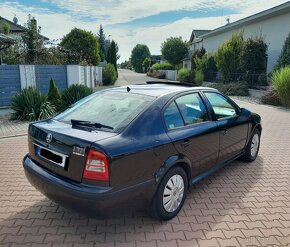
{"x": 10, "y": 128}
{"x": 240, "y": 205}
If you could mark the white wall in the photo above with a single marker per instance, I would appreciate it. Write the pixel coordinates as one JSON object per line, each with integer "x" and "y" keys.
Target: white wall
{"x": 274, "y": 30}
{"x": 90, "y": 76}
{"x": 27, "y": 76}
{"x": 169, "y": 74}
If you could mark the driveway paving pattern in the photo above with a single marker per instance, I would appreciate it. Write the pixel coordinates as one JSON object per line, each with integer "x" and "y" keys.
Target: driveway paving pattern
{"x": 240, "y": 205}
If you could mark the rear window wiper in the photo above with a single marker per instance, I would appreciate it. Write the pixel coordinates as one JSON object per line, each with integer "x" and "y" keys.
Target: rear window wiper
{"x": 89, "y": 124}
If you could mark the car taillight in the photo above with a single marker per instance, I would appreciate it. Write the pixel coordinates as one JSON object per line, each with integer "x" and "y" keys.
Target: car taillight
{"x": 97, "y": 166}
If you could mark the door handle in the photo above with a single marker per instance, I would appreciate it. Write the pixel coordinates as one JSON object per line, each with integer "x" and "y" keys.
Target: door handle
{"x": 185, "y": 143}
{"x": 224, "y": 132}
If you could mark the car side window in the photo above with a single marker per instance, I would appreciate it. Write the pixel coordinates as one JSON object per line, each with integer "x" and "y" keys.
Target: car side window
{"x": 172, "y": 117}
{"x": 222, "y": 107}
{"x": 192, "y": 108}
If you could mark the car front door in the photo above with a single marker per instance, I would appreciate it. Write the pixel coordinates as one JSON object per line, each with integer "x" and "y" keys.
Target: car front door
{"x": 190, "y": 128}
{"x": 233, "y": 127}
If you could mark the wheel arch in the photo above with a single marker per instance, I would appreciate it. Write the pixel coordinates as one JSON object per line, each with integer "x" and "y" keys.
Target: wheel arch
{"x": 258, "y": 127}
{"x": 174, "y": 161}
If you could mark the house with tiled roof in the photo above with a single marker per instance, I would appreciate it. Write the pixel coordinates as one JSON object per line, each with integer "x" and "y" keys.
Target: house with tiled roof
{"x": 15, "y": 30}
{"x": 196, "y": 33}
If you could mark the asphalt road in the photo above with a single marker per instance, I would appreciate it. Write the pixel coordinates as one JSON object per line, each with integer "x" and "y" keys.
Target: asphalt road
{"x": 127, "y": 77}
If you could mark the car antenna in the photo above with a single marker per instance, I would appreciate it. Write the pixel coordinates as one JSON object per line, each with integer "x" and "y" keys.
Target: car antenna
{"x": 128, "y": 89}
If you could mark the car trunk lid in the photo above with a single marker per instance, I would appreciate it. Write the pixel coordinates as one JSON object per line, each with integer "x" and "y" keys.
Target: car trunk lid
{"x": 61, "y": 149}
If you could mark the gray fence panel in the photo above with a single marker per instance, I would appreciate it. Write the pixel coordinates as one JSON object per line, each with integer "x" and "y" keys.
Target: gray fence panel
{"x": 9, "y": 83}
{"x": 43, "y": 74}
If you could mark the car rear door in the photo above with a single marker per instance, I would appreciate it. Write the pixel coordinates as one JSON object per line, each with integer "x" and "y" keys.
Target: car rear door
{"x": 192, "y": 132}
{"x": 233, "y": 127}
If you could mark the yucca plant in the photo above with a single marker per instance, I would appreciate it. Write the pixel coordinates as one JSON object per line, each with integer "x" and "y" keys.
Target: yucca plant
{"x": 31, "y": 105}
{"x": 281, "y": 83}
{"x": 74, "y": 93}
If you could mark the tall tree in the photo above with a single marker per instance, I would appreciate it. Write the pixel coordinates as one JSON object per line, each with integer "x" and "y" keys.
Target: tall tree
{"x": 32, "y": 40}
{"x": 112, "y": 55}
{"x": 174, "y": 50}
{"x": 84, "y": 43}
{"x": 284, "y": 58}
{"x": 138, "y": 54}
{"x": 102, "y": 43}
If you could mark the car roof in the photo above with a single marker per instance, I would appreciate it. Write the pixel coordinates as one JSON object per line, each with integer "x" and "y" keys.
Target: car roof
{"x": 158, "y": 90}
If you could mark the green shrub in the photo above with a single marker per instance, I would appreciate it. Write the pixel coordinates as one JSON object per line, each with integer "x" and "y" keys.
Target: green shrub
{"x": 185, "y": 75}
{"x": 254, "y": 58}
{"x": 200, "y": 63}
{"x": 284, "y": 58}
{"x": 232, "y": 89}
{"x": 210, "y": 65}
{"x": 198, "y": 77}
{"x": 162, "y": 66}
{"x": 74, "y": 93}
{"x": 263, "y": 79}
{"x": 228, "y": 55}
{"x": 271, "y": 98}
{"x": 281, "y": 83}
{"x": 146, "y": 63}
{"x": 30, "y": 105}
{"x": 199, "y": 53}
{"x": 54, "y": 96}
{"x": 109, "y": 74}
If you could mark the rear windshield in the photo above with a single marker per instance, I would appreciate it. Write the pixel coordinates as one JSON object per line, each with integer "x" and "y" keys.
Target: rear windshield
{"x": 113, "y": 109}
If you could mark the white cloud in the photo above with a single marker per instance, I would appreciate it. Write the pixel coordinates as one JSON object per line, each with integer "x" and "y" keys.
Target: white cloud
{"x": 56, "y": 24}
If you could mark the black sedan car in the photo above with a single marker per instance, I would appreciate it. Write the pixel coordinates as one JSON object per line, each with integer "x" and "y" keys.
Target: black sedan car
{"x": 138, "y": 145}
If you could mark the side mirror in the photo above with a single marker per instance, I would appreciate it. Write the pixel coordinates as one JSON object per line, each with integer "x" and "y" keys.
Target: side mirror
{"x": 245, "y": 112}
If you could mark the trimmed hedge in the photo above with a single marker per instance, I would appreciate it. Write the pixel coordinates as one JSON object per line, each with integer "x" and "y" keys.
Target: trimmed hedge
{"x": 109, "y": 74}
{"x": 162, "y": 66}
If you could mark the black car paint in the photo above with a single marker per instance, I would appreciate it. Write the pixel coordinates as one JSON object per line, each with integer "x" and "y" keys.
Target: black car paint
{"x": 139, "y": 155}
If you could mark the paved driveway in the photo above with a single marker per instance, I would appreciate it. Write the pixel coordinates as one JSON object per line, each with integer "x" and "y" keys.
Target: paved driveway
{"x": 242, "y": 204}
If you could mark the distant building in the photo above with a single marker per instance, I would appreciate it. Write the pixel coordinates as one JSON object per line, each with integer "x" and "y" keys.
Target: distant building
{"x": 6, "y": 40}
{"x": 156, "y": 59}
{"x": 272, "y": 24}
{"x": 15, "y": 30}
{"x": 194, "y": 36}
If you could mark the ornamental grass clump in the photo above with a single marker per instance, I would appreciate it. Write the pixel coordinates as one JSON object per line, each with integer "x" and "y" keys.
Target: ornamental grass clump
{"x": 281, "y": 83}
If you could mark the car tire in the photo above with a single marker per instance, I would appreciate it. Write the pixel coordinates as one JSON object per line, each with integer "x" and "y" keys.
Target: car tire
{"x": 252, "y": 148}
{"x": 170, "y": 195}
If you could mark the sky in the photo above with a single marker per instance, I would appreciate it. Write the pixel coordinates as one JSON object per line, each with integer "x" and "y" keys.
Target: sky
{"x": 131, "y": 22}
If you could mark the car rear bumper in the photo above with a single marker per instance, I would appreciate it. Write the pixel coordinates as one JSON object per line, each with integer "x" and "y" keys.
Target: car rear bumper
{"x": 94, "y": 200}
